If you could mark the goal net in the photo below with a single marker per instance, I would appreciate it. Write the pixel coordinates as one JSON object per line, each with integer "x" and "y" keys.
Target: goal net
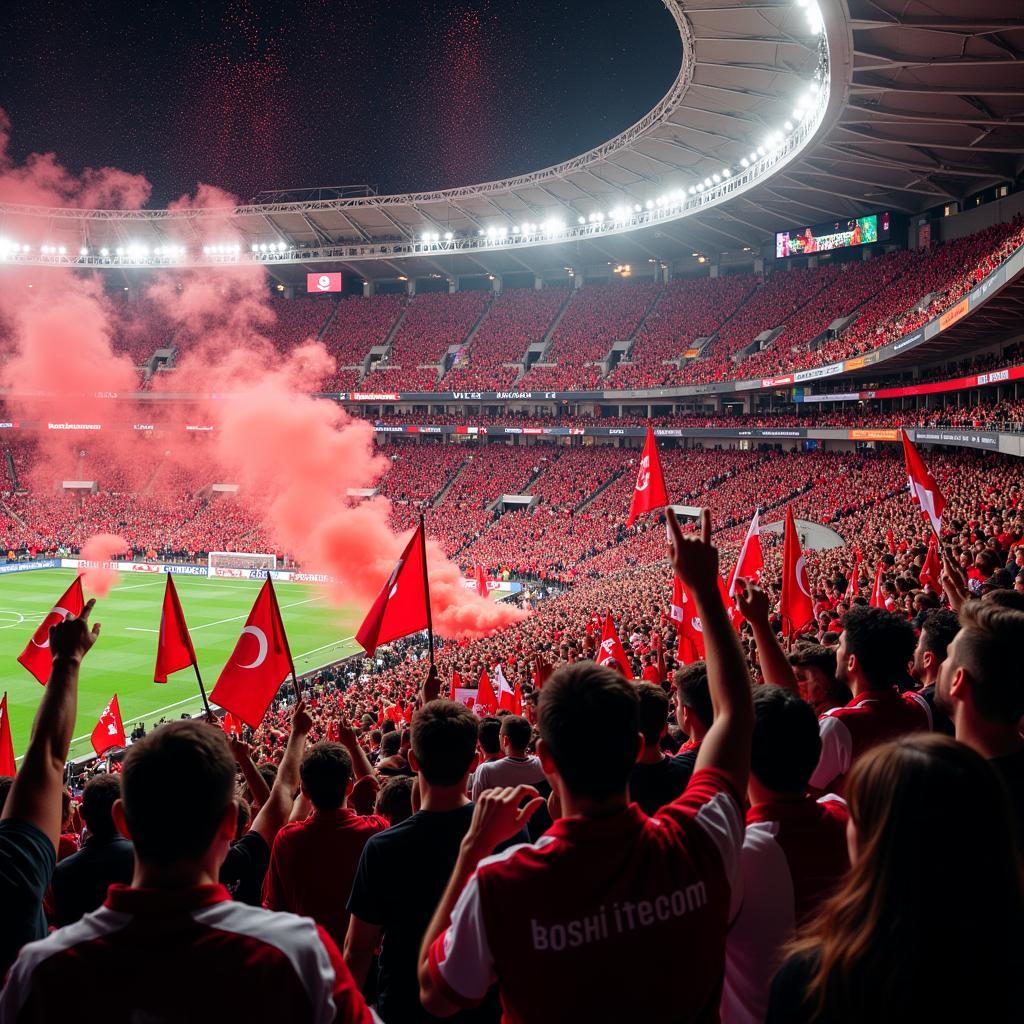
{"x": 239, "y": 564}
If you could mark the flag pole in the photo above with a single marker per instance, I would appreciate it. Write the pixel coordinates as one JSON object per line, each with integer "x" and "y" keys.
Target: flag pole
{"x": 426, "y": 589}
{"x": 284, "y": 635}
{"x": 202, "y": 691}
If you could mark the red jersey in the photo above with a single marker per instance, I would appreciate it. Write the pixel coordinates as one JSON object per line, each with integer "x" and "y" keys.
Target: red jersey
{"x": 313, "y": 864}
{"x": 874, "y": 717}
{"x": 557, "y": 923}
{"x": 652, "y": 675}
{"x": 129, "y": 960}
{"x": 793, "y": 855}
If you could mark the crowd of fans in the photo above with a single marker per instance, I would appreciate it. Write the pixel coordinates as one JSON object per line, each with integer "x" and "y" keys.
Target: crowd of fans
{"x": 766, "y": 819}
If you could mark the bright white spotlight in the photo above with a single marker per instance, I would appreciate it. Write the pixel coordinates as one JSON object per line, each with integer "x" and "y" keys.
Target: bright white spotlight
{"x": 788, "y": 126}
{"x": 448, "y": 236}
{"x": 581, "y": 220}
{"x": 637, "y": 207}
{"x": 83, "y": 251}
{"x": 744, "y": 162}
{"x": 254, "y": 247}
{"x": 692, "y": 190}
{"x": 104, "y": 252}
{"x": 726, "y": 172}
{"x": 649, "y": 204}
{"x": 716, "y": 178}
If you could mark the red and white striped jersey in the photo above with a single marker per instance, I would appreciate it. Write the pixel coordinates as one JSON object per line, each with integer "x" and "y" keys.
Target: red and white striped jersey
{"x": 617, "y": 918}
{"x": 192, "y": 954}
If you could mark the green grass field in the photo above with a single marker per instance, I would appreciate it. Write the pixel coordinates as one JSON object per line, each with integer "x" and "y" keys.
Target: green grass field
{"x": 122, "y": 660}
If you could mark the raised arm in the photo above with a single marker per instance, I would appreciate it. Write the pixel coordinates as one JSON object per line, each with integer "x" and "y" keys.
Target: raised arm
{"x": 274, "y": 814}
{"x": 753, "y": 605}
{"x": 35, "y": 794}
{"x": 361, "y": 767}
{"x": 243, "y": 758}
{"x": 727, "y": 743}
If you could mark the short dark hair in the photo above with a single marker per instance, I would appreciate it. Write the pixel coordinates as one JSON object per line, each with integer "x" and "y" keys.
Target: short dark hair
{"x": 815, "y": 656}
{"x": 883, "y": 644}
{"x": 394, "y": 801}
{"x": 390, "y": 744}
{"x": 325, "y": 772}
{"x": 653, "y": 711}
{"x": 98, "y": 799}
{"x": 584, "y": 705}
{"x": 938, "y": 628}
{"x": 517, "y": 730}
{"x": 786, "y": 744}
{"x": 988, "y": 648}
{"x": 694, "y": 693}
{"x": 444, "y": 735}
{"x": 175, "y": 787}
{"x": 489, "y": 734}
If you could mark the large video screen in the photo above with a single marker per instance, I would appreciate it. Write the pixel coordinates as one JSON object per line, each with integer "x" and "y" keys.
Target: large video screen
{"x": 836, "y": 235}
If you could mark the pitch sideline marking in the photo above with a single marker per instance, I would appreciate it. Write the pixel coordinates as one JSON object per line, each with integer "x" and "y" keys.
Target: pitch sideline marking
{"x": 12, "y": 623}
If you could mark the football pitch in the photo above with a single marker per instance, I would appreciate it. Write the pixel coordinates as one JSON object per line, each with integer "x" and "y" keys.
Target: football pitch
{"x": 122, "y": 660}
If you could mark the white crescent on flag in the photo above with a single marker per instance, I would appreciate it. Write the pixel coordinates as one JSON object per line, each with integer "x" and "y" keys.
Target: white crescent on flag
{"x": 261, "y": 639}
{"x": 801, "y": 575}
{"x": 63, "y": 613}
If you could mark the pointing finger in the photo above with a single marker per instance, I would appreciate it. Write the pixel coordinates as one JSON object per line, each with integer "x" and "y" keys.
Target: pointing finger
{"x": 705, "y": 525}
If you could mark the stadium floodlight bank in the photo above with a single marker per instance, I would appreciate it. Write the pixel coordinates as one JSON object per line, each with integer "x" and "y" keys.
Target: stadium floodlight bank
{"x": 238, "y": 564}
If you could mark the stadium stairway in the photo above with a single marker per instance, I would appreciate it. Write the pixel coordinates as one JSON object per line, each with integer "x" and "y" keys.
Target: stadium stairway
{"x": 447, "y": 486}
{"x": 545, "y": 342}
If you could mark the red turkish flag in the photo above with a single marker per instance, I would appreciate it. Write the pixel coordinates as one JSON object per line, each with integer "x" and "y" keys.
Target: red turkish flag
{"x": 923, "y": 488}
{"x": 690, "y": 638}
{"x": 174, "y": 650}
{"x": 506, "y": 694}
{"x": 109, "y": 731}
{"x": 541, "y": 671}
{"x": 401, "y": 607}
{"x": 36, "y": 657}
{"x": 456, "y": 684}
{"x": 851, "y": 587}
{"x": 517, "y": 700}
{"x": 796, "y": 606}
{"x": 485, "y": 694}
{"x": 730, "y": 606}
{"x": 7, "y": 765}
{"x": 750, "y": 563}
{"x": 611, "y": 652}
{"x": 649, "y": 490}
{"x": 877, "y": 599}
{"x": 932, "y": 567}
{"x": 259, "y": 664}
{"x": 481, "y": 581}
{"x": 231, "y": 725}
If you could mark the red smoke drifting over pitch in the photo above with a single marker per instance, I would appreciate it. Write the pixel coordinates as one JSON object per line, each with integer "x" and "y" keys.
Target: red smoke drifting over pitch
{"x": 293, "y": 457}
{"x": 104, "y": 547}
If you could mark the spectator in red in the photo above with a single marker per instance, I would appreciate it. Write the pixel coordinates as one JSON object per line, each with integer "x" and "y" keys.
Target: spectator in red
{"x": 939, "y": 627}
{"x": 979, "y": 688}
{"x": 656, "y": 779}
{"x": 313, "y": 861}
{"x": 175, "y": 920}
{"x": 875, "y": 649}
{"x": 884, "y": 948}
{"x": 606, "y": 885}
{"x": 794, "y": 850}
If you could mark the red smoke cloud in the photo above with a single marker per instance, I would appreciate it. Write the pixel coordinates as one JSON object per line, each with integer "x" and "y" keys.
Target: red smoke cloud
{"x": 293, "y": 457}
{"x": 102, "y": 548}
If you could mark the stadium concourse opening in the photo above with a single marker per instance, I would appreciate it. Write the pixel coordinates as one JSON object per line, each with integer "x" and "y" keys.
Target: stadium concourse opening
{"x": 445, "y": 600}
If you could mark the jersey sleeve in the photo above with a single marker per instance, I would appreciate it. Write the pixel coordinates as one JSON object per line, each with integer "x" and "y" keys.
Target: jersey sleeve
{"x": 460, "y": 962}
{"x": 711, "y": 803}
{"x": 836, "y": 752}
{"x": 366, "y": 901}
{"x": 273, "y": 890}
{"x": 349, "y": 1005}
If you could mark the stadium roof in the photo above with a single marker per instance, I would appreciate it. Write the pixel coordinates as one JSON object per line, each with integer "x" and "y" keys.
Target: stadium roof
{"x": 816, "y": 113}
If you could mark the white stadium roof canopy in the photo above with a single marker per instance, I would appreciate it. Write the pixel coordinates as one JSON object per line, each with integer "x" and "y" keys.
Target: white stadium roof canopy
{"x": 784, "y": 113}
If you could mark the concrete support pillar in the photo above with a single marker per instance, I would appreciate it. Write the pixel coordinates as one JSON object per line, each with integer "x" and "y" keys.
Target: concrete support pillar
{"x": 410, "y": 287}
{"x": 369, "y": 288}
{"x": 453, "y": 285}
{"x": 496, "y": 284}
{"x": 538, "y": 283}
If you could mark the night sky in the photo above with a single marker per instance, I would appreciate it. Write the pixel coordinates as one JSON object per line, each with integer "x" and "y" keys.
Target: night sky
{"x": 251, "y": 94}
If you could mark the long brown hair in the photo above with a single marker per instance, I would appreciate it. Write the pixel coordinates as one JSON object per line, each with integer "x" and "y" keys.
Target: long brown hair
{"x": 928, "y": 922}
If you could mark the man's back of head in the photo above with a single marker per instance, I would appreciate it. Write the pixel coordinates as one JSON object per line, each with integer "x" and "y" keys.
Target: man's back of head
{"x": 176, "y": 786}
{"x": 98, "y": 799}
{"x": 987, "y": 652}
{"x": 326, "y": 772}
{"x": 694, "y": 694}
{"x": 444, "y": 739}
{"x": 653, "y": 712}
{"x": 786, "y": 743}
{"x": 490, "y": 736}
{"x": 586, "y": 708}
{"x": 516, "y": 732}
{"x": 882, "y": 645}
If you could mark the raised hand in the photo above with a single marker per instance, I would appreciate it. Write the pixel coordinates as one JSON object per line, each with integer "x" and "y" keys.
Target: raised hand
{"x": 695, "y": 559}
{"x": 301, "y": 721}
{"x": 431, "y": 688}
{"x": 498, "y": 817}
{"x": 72, "y": 639}
{"x": 752, "y": 602}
